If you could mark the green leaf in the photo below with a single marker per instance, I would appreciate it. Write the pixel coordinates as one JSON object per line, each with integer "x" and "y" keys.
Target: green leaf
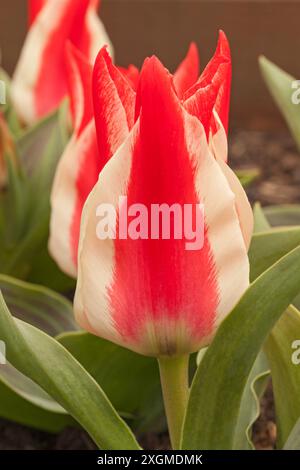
{"x": 130, "y": 381}
{"x": 267, "y": 247}
{"x": 261, "y": 223}
{"x": 40, "y": 147}
{"x": 267, "y": 244}
{"x": 250, "y": 406}
{"x": 296, "y": 302}
{"x": 283, "y": 215}
{"x": 279, "y": 84}
{"x": 250, "y": 403}
{"x": 247, "y": 176}
{"x": 280, "y": 216}
{"x": 44, "y": 270}
{"x": 285, "y": 372}
{"x": 220, "y": 380}
{"x": 293, "y": 442}
{"x": 50, "y": 365}
{"x": 51, "y": 313}
{"x": 38, "y": 306}
{"x": 27, "y": 389}
{"x": 18, "y": 409}
{"x": 24, "y": 217}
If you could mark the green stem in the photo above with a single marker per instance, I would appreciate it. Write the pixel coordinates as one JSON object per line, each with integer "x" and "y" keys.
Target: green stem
{"x": 175, "y": 388}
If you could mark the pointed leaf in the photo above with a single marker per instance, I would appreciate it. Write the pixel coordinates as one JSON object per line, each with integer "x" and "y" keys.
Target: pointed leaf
{"x": 293, "y": 442}
{"x": 283, "y": 215}
{"x": 250, "y": 406}
{"x": 50, "y": 365}
{"x": 267, "y": 247}
{"x": 261, "y": 223}
{"x": 280, "y": 85}
{"x": 131, "y": 381}
{"x": 285, "y": 372}
{"x": 16, "y": 408}
{"x": 53, "y": 314}
{"x": 38, "y": 306}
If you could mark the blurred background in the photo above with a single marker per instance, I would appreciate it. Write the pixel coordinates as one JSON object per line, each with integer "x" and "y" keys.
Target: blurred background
{"x": 166, "y": 27}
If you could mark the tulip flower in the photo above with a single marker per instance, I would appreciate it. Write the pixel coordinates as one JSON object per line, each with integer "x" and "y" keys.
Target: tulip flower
{"x": 152, "y": 294}
{"x": 40, "y": 82}
{"x": 71, "y": 188}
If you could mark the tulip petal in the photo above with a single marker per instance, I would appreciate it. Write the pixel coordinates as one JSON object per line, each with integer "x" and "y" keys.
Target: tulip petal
{"x": 34, "y": 7}
{"x": 218, "y": 139}
{"x": 95, "y": 4}
{"x": 80, "y": 155}
{"x": 219, "y": 148}
{"x": 39, "y": 82}
{"x": 217, "y": 71}
{"x": 243, "y": 206}
{"x": 201, "y": 105}
{"x": 96, "y": 35}
{"x": 82, "y": 161}
{"x": 132, "y": 74}
{"x": 153, "y": 295}
{"x": 188, "y": 71}
{"x": 114, "y": 101}
{"x": 76, "y": 174}
{"x": 79, "y": 75}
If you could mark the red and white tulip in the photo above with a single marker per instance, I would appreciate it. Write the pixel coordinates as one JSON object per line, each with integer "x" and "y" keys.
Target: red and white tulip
{"x": 40, "y": 82}
{"x": 81, "y": 163}
{"x": 153, "y": 295}
{"x": 83, "y": 159}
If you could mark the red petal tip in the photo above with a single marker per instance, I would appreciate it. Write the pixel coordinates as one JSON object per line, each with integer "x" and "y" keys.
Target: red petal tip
{"x": 223, "y": 47}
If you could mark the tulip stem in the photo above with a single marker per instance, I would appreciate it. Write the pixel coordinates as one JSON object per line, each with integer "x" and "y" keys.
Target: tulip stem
{"x": 175, "y": 388}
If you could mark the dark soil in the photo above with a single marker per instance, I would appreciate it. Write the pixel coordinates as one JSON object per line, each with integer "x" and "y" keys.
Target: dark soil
{"x": 264, "y": 430}
{"x": 278, "y": 162}
{"x": 276, "y": 158}
{"x": 16, "y": 437}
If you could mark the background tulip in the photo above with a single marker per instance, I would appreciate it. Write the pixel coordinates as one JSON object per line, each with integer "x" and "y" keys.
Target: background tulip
{"x": 40, "y": 81}
{"x": 154, "y": 296}
{"x": 83, "y": 160}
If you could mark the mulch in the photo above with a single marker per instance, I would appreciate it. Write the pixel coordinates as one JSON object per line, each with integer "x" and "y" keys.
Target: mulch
{"x": 276, "y": 158}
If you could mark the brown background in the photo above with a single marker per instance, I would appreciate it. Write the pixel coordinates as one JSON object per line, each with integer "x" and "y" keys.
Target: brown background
{"x": 165, "y": 27}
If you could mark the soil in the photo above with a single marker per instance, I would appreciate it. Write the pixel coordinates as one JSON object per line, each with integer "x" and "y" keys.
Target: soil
{"x": 277, "y": 160}
{"x": 264, "y": 430}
